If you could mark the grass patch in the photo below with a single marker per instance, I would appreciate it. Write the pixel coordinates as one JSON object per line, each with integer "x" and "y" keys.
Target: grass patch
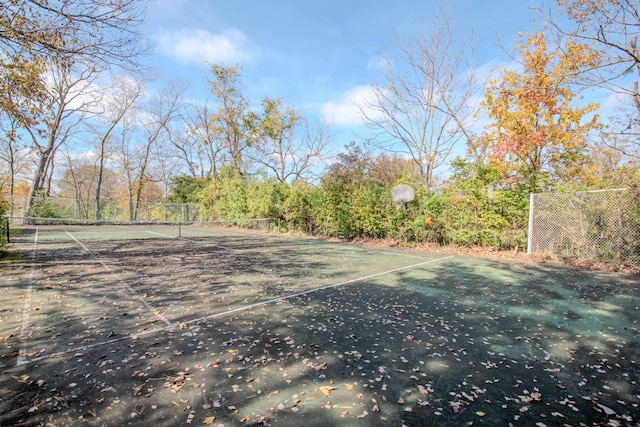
{"x": 8, "y": 257}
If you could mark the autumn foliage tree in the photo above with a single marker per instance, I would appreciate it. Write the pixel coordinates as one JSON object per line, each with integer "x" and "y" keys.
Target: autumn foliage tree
{"x": 36, "y": 33}
{"x": 231, "y": 122}
{"x": 539, "y": 130}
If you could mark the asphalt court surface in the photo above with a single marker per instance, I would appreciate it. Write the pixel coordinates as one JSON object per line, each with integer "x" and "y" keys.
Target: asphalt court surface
{"x": 158, "y": 326}
{"x": 84, "y": 290}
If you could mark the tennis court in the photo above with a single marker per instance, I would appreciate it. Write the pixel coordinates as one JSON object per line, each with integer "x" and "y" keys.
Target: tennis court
{"x": 175, "y": 325}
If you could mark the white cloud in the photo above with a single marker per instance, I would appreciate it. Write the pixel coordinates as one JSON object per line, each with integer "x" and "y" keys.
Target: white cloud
{"x": 196, "y": 45}
{"x": 615, "y": 101}
{"x": 347, "y": 110}
{"x": 378, "y": 63}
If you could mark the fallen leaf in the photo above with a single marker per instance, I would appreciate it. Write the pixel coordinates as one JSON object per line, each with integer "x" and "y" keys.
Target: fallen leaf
{"x": 608, "y": 411}
{"x": 209, "y": 420}
{"x": 480, "y": 414}
{"x": 326, "y": 390}
{"x": 362, "y": 415}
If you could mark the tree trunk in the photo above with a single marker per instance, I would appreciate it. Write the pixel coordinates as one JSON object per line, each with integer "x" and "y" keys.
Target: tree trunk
{"x": 99, "y": 183}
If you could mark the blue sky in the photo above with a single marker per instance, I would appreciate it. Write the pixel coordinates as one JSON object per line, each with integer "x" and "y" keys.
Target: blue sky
{"x": 314, "y": 54}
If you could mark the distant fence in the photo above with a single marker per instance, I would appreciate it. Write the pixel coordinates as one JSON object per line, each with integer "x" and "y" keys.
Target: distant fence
{"x": 59, "y": 207}
{"x": 599, "y": 225}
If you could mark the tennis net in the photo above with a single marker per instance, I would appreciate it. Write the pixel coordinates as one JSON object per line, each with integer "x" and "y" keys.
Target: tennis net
{"x": 121, "y": 230}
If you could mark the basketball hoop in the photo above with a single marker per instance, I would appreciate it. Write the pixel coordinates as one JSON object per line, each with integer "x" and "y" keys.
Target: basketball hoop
{"x": 401, "y": 194}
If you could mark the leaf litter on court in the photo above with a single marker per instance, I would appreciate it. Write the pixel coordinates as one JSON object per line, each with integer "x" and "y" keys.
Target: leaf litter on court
{"x": 468, "y": 342}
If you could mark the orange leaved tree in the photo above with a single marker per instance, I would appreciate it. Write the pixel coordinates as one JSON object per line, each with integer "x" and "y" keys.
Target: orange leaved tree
{"x": 539, "y": 127}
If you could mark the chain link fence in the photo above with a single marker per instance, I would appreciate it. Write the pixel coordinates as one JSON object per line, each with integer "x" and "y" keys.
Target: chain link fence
{"x": 599, "y": 225}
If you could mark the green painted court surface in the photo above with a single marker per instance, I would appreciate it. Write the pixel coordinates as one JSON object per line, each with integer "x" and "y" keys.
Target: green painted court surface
{"x": 120, "y": 325}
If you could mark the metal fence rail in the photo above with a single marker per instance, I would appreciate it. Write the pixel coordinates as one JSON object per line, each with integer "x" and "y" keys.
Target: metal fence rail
{"x": 599, "y": 225}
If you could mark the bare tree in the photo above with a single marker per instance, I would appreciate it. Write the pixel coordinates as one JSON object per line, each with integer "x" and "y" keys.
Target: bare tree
{"x": 71, "y": 98}
{"x": 138, "y": 136}
{"x": 126, "y": 147}
{"x": 611, "y": 27}
{"x": 286, "y": 145}
{"x": 78, "y": 181}
{"x": 424, "y": 107}
{"x": 167, "y": 163}
{"x": 119, "y": 99}
{"x": 13, "y": 157}
{"x": 197, "y": 143}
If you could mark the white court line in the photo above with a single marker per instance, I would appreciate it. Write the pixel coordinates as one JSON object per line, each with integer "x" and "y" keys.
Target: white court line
{"x": 190, "y": 241}
{"x": 26, "y": 308}
{"x": 125, "y": 284}
{"x": 310, "y": 291}
{"x": 310, "y": 244}
{"x": 235, "y": 310}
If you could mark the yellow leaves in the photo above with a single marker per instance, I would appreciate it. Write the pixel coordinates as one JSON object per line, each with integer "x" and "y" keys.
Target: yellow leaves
{"x": 536, "y": 123}
{"x": 326, "y": 390}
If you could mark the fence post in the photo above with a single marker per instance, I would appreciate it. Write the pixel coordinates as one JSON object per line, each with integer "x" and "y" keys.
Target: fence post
{"x": 530, "y": 227}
